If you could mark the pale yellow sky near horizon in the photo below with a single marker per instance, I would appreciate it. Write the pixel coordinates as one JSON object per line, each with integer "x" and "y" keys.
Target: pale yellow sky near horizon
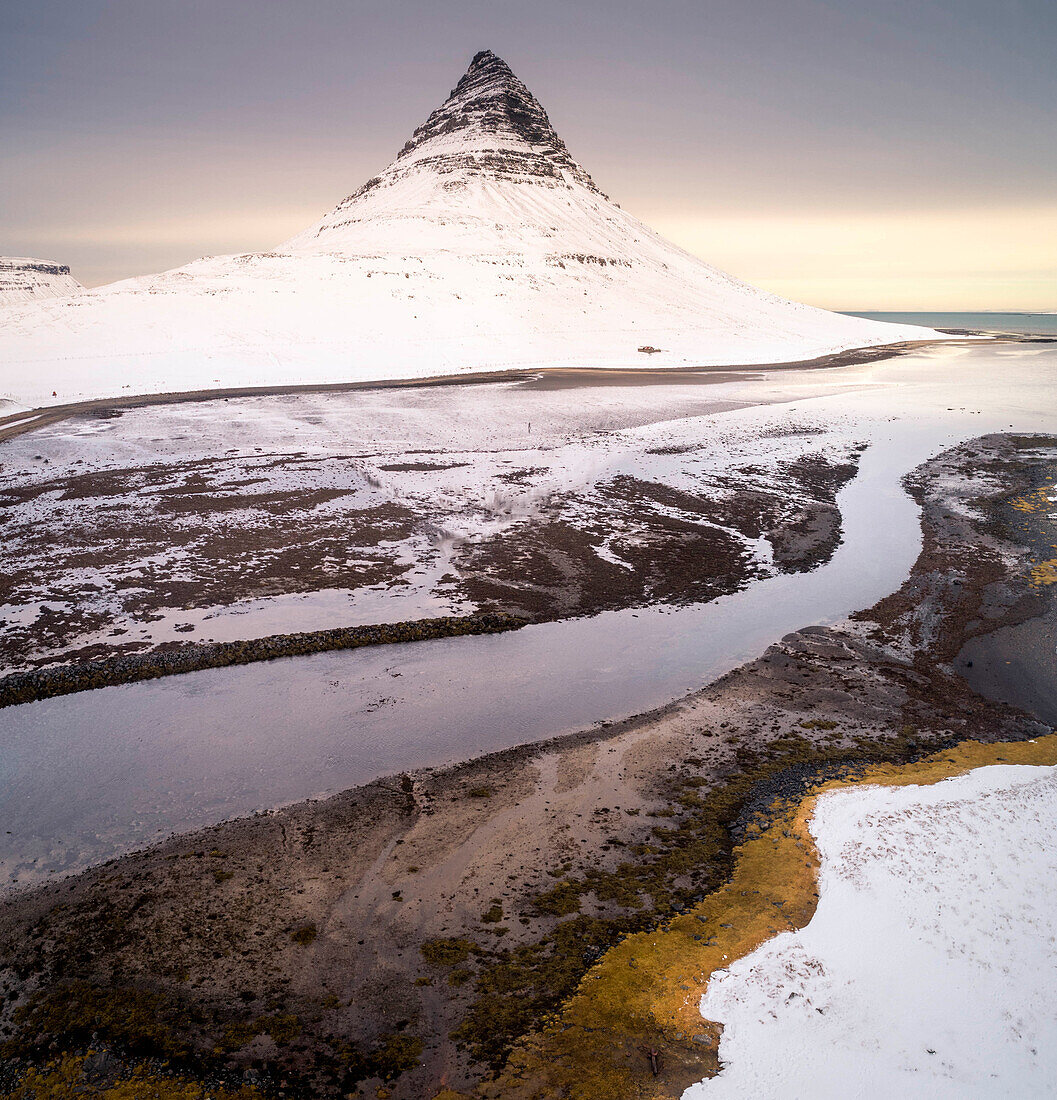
{"x": 960, "y": 259}
{"x": 969, "y": 259}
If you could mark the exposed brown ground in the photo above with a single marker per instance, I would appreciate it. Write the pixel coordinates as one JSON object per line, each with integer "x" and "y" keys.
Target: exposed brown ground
{"x": 336, "y": 943}
{"x": 104, "y": 552}
{"x": 670, "y": 544}
{"x": 196, "y": 534}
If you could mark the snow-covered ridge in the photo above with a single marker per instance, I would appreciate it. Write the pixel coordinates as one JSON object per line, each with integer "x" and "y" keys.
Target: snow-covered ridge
{"x": 483, "y": 246}
{"x": 23, "y": 279}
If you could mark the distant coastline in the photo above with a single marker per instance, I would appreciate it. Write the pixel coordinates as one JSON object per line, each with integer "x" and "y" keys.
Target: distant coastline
{"x": 1003, "y": 321}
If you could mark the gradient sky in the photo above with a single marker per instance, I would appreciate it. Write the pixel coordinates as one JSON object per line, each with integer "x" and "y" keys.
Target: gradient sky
{"x": 855, "y": 154}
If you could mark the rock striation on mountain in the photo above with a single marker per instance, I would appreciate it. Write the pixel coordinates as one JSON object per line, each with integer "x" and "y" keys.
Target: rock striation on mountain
{"x": 24, "y": 279}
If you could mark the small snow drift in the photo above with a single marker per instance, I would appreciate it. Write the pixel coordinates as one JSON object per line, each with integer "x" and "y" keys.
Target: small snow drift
{"x": 483, "y": 246}
{"x": 927, "y": 969}
{"x": 23, "y": 279}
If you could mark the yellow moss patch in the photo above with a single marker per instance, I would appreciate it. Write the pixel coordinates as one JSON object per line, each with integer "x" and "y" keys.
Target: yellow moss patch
{"x": 643, "y": 995}
{"x": 65, "y": 1077}
{"x": 1033, "y": 502}
{"x": 1044, "y": 573}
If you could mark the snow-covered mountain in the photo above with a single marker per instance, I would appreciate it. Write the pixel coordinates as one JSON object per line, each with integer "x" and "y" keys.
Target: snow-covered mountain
{"x": 23, "y": 279}
{"x": 483, "y": 246}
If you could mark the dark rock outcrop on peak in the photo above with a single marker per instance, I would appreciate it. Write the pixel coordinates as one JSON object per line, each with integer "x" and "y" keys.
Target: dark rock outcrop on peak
{"x": 490, "y": 125}
{"x": 490, "y": 100}
{"x": 41, "y": 267}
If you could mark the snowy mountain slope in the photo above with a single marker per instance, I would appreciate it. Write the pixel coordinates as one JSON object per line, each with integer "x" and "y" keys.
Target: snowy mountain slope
{"x": 23, "y": 279}
{"x": 482, "y": 246}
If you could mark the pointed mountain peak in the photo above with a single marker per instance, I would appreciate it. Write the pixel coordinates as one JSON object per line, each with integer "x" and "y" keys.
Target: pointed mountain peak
{"x": 488, "y": 122}
{"x": 485, "y": 59}
{"x": 490, "y": 128}
{"x": 487, "y": 73}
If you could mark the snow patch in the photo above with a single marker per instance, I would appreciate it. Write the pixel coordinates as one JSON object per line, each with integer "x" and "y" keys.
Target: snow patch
{"x": 927, "y": 970}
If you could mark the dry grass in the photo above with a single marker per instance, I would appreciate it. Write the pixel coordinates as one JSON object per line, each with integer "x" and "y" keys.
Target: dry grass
{"x": 643, "y": 994}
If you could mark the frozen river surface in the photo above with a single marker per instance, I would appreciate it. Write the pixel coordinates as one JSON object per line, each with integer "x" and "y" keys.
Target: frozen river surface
{"x": 89, "y": 776}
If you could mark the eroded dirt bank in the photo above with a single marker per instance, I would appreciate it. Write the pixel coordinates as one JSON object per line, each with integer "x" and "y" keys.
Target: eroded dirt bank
{"x": 415, "y": 934}
{"x": 46, "y": 683}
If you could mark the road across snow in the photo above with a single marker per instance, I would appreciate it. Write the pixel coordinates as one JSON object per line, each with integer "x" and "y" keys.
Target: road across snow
{"x": 928, "y": 968}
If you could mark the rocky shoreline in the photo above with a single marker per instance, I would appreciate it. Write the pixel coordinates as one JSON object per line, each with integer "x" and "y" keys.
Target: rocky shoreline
{"x": 414, "y": 937}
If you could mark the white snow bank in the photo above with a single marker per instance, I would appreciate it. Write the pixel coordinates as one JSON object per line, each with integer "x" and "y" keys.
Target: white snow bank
{"x": 928, "y": 968}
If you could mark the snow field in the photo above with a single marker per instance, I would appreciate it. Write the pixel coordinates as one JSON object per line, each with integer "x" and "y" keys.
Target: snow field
{"x": 927, "y": 970}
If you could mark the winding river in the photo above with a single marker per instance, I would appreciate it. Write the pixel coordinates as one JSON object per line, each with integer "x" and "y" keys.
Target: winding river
{"x": 90, "y": 776}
